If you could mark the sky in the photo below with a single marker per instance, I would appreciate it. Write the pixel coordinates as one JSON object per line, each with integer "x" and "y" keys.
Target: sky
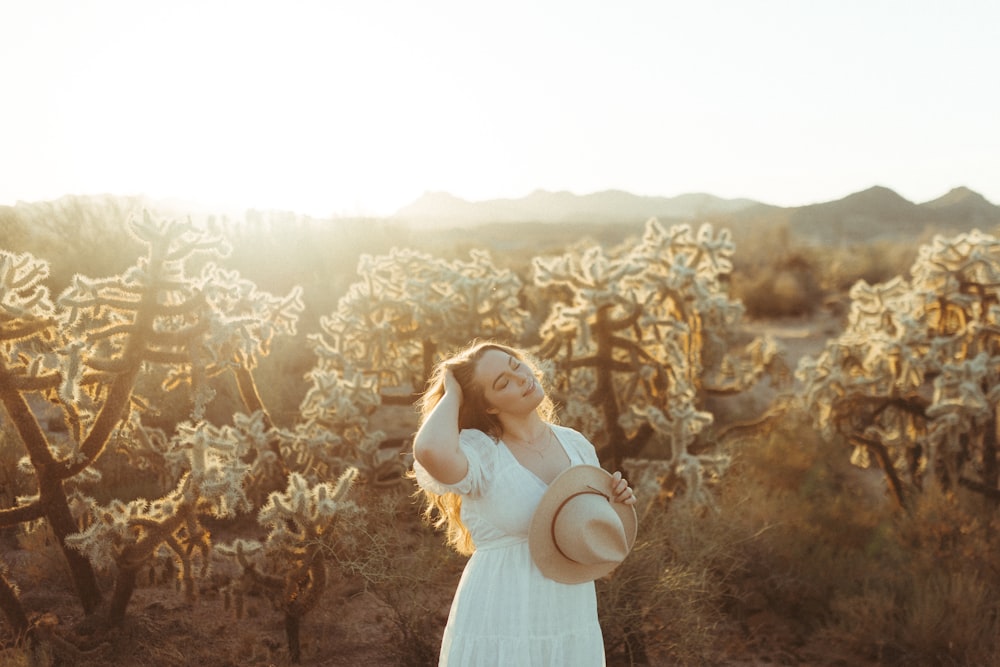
{"x": 358, "y": 107}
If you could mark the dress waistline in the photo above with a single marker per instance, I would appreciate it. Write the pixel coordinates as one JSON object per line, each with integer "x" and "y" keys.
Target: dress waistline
{"x": 502, "y": 542}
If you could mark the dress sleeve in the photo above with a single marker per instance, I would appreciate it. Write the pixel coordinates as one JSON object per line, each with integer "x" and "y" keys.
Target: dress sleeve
{"x": 583, "y": 447}
{"x": 481, "y": 452}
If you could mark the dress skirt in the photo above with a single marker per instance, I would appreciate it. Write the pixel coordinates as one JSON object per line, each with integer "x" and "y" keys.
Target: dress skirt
{"x": 502, "y": 618}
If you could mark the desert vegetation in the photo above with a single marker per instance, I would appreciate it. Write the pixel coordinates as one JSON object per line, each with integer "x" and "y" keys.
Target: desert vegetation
{"x": 205, "y": 435}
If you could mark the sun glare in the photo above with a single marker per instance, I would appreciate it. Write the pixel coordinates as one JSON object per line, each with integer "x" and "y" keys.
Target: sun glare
{"x": 359, "y": 108}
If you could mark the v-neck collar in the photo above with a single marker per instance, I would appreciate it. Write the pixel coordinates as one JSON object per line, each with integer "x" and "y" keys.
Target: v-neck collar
{"x": 569, "y": 456}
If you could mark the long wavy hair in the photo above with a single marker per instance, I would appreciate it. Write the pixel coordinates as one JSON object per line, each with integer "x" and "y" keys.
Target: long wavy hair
{"x": 444, "y": 510}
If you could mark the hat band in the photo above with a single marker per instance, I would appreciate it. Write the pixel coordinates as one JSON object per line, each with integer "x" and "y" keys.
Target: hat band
{"x": 552, "y": 524}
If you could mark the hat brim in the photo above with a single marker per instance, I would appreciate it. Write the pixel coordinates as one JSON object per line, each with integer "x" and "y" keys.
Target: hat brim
{"x": 544, "y": 552}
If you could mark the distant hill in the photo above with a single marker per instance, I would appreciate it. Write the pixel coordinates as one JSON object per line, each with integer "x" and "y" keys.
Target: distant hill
{"x": 439, "y": 209}
{"x": 879, "y": 212}
{"x": 875, "y": 213}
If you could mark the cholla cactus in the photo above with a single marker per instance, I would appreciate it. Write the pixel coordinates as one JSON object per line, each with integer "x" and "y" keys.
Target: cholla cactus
{"x": 128, "y": 535}
{"x": 86, "y": 352}
{"x": 291, "y": 563}
{"x": 408, "y": 306}
{"x": 335, "y": 432}
{"x": 31, "y": 341}
{"x": 378, "y": 347}
{"x": 645, "y": 337}
{"x": 914, "y": 380}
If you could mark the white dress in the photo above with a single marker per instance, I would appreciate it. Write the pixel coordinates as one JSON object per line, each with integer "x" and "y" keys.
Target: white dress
{"x": 505, "y": 613}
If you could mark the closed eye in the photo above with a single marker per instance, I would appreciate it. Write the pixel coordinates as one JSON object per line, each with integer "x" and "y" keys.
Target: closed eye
{"x": 514, "y": 365}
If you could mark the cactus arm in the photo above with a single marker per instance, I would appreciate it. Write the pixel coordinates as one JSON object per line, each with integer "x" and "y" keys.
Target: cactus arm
{"x": 13, "y": 516}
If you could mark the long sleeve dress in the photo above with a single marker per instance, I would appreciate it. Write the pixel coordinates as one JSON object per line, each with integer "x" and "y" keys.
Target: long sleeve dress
{"x": 505, "y": 612}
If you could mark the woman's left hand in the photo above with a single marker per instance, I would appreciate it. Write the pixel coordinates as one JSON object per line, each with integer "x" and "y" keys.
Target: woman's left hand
{"x": 620, "y": 489}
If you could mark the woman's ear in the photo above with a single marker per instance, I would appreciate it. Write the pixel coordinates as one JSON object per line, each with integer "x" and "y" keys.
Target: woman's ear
{"x": 492, "y": 411}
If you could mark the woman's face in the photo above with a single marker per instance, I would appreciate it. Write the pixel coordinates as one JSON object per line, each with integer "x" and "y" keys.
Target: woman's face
{"x": 509, "y": 385}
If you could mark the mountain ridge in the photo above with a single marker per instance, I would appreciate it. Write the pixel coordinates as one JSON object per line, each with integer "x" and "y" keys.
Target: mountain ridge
{"x": 871, "y": 214}
{"x": 443, "y": 209}
{"x": 875, "y": 212}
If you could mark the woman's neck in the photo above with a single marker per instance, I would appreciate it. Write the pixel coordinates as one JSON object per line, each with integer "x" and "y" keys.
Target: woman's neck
{"x": 523, "y": 429}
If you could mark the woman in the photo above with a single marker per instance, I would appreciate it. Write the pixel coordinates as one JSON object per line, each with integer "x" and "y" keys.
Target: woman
{"x": 485, "y": 453}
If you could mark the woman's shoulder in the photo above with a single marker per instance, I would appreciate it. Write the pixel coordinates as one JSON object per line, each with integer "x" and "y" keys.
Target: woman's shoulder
{"x": 479, "y": 448}
{"x": 567, "y": 431}
{"x": 473, "y": 437}
{"x": 577, "y": 443}
{"x": 571, "y": 436}
{"x": 480, "y": 452}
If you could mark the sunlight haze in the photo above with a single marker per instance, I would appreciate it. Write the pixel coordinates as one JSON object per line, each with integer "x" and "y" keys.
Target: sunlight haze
{"x": 359, "y": 107}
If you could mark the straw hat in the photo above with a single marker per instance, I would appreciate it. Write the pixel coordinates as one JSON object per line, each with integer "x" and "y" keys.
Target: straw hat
{"x": 578, "y": 533}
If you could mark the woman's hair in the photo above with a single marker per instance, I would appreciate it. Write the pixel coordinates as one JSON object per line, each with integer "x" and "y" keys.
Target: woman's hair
{"x": 444, "y": 510}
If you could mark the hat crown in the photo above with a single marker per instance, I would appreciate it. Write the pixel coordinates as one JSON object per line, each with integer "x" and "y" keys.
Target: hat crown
{"x": 578, "y": 532}
{"x": 587, "y": 530}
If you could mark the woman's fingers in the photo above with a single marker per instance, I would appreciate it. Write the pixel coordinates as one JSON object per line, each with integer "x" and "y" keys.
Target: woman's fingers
{"x": 622, "y": 492}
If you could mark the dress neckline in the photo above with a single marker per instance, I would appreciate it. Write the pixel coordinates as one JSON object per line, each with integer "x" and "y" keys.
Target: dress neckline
{"x": 566, "y": 451}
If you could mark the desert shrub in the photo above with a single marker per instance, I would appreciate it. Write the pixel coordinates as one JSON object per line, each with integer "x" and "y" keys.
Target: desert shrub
{"x": 823, "y": 553}
{"x": 839, "y": 267}
{"x": 786, "y": 529}
{"x": 814, "y": 518}
{"x": 403, "y": 564}
{"x": 788, "y": 287}
{"x": 774, "y": 276}
{"x": 665, "y": 604}
{"x": 930, "y": 597}
{"x": 84, "y": 233}
{"x": 793, "y": 525}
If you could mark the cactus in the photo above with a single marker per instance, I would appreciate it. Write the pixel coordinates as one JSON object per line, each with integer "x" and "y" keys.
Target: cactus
{"x": 409, "y": 306}
{"x": 913, "y": 382}
{"x": 379, "y": 346}
{"x": 291, "y": 564}
{"x": 644, "y": 337}
{"x": 129, "y": 534}
{"x": 334, "y": 432}
{"x": 86, "y": 351}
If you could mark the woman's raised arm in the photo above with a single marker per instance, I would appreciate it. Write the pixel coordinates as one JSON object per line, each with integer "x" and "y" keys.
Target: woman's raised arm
{"x": 435, "y": 446}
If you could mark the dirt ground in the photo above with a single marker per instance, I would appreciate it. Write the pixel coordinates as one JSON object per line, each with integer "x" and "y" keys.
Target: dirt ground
{"x": 162, "y": 630}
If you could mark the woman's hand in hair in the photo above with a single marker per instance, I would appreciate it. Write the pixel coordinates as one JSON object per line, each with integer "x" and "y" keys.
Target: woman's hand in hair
{"x": 435, "y": 445}
{"x": 451, "y": 386}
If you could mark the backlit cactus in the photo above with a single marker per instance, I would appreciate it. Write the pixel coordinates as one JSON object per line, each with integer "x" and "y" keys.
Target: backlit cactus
{"x": 913, "y": 383}
{"x": 86, "y": 351}
{"x": 646, "y": 334}
{"x": 290, "y": 565}
{"x": 408, "y": 307}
